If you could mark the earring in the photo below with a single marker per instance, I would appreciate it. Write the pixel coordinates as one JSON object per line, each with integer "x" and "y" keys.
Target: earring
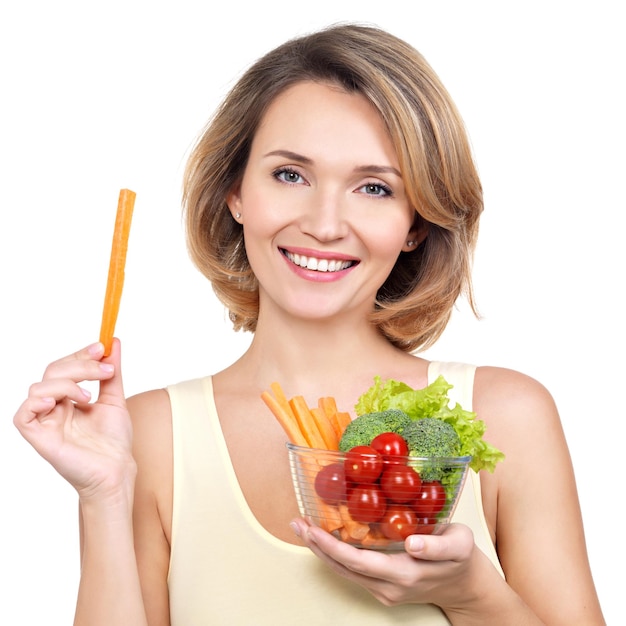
{"x": 410, "y": 243}
{"x": 237, "y": 215}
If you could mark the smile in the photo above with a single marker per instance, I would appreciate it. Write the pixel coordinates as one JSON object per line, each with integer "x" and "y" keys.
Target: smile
{"x": 318, "y": 265}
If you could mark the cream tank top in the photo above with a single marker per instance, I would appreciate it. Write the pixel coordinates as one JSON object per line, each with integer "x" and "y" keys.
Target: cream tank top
{"x": 225, "y": 568}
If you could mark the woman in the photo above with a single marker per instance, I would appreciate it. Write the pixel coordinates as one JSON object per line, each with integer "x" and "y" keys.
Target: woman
{"x": 333, "y": 204}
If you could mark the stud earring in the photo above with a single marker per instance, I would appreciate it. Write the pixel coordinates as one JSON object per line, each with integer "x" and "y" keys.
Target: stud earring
{"x": 237, "y": 216}
{"x": 410, "y": 243}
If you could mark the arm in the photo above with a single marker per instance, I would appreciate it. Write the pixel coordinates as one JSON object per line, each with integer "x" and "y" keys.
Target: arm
{"x": 152, "y": 519}
{"x": 539, "y": 530}
{"x": 89, "y": 444}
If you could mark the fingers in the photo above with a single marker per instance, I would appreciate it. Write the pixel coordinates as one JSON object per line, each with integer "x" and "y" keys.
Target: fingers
{"x": 112, "y": 388}
{"x": 455, "y": 543}
{"x": 61, "y": 382}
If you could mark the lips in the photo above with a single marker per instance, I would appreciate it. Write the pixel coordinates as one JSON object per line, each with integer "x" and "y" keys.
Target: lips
{"x": 317, "y": 264}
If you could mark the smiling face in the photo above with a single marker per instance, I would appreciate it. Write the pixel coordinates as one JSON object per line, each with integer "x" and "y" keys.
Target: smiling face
{"x": 322, "y": 204}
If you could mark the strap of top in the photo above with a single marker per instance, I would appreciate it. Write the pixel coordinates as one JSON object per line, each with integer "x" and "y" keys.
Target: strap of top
{"x": 460, "y": 375}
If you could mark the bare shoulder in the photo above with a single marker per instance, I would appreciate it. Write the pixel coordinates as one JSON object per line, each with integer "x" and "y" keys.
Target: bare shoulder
{"x": 513, "y": 401}
{"x": 152, "y": 448}
{"x": 151, "y": 416}
{"x": 152, "y": 515}
{"x": 522, "y": 421}
{"x": 150, "y": 411}
{"x": 531, "y": 502}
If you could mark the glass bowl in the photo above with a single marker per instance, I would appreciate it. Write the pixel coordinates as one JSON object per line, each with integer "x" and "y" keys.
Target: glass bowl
{"x": 373, "y": 502}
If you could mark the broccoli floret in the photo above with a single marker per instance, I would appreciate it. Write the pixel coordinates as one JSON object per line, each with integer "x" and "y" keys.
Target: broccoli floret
{"x": 431, "y": 437}
{"x": 361, "y": 430}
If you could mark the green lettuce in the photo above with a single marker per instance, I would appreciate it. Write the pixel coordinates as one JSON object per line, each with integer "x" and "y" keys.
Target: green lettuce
{"x": 433, "y": 401}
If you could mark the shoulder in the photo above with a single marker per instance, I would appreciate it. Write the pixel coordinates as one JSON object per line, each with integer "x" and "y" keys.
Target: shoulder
{"x": 152, "y": 442}
{"x": 521, "y": 417}
{"x": 511, "y": 395}
{"x": 152, "y": 513}
{"x": 150, "y": 412}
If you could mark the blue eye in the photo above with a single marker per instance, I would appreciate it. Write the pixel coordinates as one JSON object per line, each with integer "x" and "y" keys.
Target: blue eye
{"x": 376, "y": 189}
{"x": 287, "y": 175}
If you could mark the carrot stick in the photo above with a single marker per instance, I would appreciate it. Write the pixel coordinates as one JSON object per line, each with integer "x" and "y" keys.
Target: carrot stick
{"x": 280, "y": 396}
{"x": 343, "y": 419}
{"x": 326, "y": 429}
{"x": 329, "y": 406}
{"x": 307, "y": 422}
{"x": 115, "y": 280}
{"x": 374, "y": 538}
{"x": 356, "y": 530}
{"x": 286, "y": 419}
{"x": 331, "y": 517}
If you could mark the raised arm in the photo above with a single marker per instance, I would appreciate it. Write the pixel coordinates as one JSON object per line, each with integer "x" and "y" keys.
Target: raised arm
{"x": 89, "y": 444}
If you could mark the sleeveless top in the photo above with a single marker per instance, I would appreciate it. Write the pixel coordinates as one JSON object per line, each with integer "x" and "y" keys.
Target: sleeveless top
{"x": 225, "y": 568}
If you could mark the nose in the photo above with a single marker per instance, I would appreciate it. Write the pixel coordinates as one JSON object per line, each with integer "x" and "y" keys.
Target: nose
{"x": 324, "y": 216}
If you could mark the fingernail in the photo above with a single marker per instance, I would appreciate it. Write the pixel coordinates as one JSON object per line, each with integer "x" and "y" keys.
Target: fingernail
{"x": 86, "y": 393}
{"x": 416, "y": 543}
{"x": 295, "y": 528}
{"x": 95, "y": 349}
{"x": 106, "y": 367}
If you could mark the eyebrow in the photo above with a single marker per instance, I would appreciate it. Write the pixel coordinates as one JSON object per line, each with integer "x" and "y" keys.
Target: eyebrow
{"x": 376, "y": 169}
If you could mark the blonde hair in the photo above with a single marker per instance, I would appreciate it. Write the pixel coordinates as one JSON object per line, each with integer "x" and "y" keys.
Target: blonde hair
{"x": 414, "y": 305}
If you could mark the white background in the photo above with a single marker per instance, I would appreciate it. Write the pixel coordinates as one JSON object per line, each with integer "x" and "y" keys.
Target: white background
{"x": 96, "y": 97}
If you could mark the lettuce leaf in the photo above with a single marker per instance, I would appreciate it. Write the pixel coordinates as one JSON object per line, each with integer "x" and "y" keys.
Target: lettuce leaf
{"x": 433, "y": 401}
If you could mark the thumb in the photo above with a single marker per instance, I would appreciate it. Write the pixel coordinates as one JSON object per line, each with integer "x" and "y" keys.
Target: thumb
{"x": 112, "y": 389}
{"x": 455, "y": 543}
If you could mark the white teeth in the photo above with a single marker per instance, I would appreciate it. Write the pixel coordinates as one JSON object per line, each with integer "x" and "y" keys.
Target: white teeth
{"x": 320, "y": 265}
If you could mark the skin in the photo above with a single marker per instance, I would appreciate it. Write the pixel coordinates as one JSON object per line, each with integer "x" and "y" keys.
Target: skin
{"x": 314, "y": 185}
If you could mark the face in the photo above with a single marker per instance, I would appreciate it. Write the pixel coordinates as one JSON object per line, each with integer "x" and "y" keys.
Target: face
{"x": 322, "y": 203}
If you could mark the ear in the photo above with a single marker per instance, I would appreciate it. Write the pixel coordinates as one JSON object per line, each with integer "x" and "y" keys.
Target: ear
{"x": 415, "y": 236}
{"x": 233, "y": 200}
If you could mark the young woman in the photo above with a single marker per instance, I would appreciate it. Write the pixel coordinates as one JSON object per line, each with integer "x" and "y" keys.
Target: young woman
{"x": 333, "y": 204}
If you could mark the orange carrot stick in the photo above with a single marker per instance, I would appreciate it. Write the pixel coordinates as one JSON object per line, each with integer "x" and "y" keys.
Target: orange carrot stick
{"x": 356, "y": 530}
{"x": 331, "y": 520}
{"x": 285, "y": 418}
{"x": 329, "y": 406}
{"x": 325, "y": 428}
{"x": 117, "y": 263}
{"x": 307, "y": 422}
{"x": 343, "y": 418}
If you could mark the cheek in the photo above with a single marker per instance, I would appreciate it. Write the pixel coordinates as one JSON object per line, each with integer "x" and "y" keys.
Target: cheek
{"x": 385, "y": 238}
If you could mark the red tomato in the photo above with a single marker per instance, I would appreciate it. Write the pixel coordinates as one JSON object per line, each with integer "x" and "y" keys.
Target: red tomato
{"x": 391, "y": 446}
{"x": 330, "y": 483}
{"x": 425, "y": 525}
{"x": 363, "y": 464}
{"x": 366, "y": 504}
{"x": 399, "y": 522}
{"x": 430, "y": 500}
{"x": 400, "y": 483}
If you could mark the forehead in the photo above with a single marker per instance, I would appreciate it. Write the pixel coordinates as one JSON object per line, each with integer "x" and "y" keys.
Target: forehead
{"x": 317, "y": 115}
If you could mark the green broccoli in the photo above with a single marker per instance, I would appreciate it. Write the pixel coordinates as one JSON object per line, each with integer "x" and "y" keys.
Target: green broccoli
{"x": 361, "y": 430}
{"x": 431, "y": 437}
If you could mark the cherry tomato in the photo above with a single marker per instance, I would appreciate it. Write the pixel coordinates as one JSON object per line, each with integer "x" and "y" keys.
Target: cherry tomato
{"x": 399, "y": 522}
{"x": 430, "y": 500}
{"x": 391, "y": 446}
{"x": 363, "y": 464}
{"x": 330, "y": 483}
{"x": 400, "y": 483}
{"x": 425, "y": 525}
{"x": 366, "y": 503}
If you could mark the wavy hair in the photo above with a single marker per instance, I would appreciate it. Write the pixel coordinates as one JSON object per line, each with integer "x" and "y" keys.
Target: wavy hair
{"x": 414, "y": 304}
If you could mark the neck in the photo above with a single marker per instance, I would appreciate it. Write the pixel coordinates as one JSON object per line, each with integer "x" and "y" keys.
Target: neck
{"x": 307, "y": 356}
